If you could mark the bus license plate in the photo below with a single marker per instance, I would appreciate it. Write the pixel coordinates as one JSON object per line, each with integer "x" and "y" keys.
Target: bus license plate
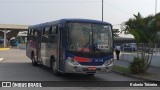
{"x": 91, "y": 68}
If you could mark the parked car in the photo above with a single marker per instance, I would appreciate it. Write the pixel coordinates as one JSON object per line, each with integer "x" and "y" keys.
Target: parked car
{"x": 1, "y": 41}
{"x": 130, "y": 47}
{"x": 14, "y": 42}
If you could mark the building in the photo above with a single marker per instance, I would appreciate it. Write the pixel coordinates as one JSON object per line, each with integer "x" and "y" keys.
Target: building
{"x": 7, "y": 31}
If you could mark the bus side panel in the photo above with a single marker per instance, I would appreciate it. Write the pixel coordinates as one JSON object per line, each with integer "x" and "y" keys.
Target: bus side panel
{"x": 30, "y": 47}
{"x": 44, "y": 54}
{"x": 49, "y": 48}
{"x": 28, "y": 51}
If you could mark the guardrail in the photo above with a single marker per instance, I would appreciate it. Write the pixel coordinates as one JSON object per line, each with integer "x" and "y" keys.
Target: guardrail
{"x": 129, "y": 55}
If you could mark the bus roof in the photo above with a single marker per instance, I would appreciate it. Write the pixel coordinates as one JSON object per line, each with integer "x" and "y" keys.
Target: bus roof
{"x": 68, "y": 20}
{"x": 85, "y": 21}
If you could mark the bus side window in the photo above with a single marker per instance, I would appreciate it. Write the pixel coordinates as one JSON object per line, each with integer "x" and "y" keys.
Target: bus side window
{"x": 49, "y": 35}
{"x": 32, "y": 35}
{"x": 33, "y": 32}
{"x": 45, "y": 35}
{"x": 47, "y": 30}
{"x": 43, "y": 31}
{"x": 50, "y": 30}
{"x": 54, "y": 30}
{"x": 28, "y": 33}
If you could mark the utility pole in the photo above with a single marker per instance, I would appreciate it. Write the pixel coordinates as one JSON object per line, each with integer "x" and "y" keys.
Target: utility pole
{"x": 5, "y": 40}
{"x": 102, "y": 10}
{"x": 155, "y": 7}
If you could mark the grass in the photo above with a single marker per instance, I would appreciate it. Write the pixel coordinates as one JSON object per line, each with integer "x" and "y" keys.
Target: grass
{"x": 121, "y": 69}
{"x": 148, "y": 76}
{"x": 126, "y": 70}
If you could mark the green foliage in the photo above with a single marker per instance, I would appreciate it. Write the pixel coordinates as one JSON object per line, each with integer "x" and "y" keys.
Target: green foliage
{"x": 121, "y": 69}
{"x": 137, "y": 66}
{"x": 138, "y": 27}
{"x": 145, "y": 31}
{"x": 116, "y": 32}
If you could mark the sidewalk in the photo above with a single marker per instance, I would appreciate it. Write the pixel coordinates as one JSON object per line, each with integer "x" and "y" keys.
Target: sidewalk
{"x": 153, "y": 72}
{"x": 1, "y": 58}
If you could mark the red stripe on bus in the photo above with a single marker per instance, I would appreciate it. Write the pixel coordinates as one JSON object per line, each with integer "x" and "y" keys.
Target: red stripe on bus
{"x": 80, "y": 59}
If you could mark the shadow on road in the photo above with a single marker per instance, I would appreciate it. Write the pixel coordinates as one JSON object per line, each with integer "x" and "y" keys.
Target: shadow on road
{"x": 25, "y": 70}
{"x": 72, "y": 76}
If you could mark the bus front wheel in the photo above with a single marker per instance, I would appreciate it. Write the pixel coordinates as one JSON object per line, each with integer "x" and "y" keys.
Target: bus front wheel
{"x": 53, "y": 67}
{"x": 34, "y": 63}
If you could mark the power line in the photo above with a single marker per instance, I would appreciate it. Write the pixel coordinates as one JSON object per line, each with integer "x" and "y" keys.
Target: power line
{"x": 117, "y": 8}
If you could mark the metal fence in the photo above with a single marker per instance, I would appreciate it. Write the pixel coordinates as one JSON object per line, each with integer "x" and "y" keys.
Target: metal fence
{"x": 147, "y": 47}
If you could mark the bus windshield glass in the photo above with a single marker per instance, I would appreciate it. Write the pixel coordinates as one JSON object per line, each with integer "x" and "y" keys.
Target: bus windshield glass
{"x": 86, "y": 37}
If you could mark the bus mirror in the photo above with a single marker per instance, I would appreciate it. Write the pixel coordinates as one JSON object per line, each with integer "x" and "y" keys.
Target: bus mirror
{"x": 56, "y": 27}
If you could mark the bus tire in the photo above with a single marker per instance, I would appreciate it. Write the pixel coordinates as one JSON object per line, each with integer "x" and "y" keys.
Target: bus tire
{"x": 34, "y": 63}
{"x": 53, "y": 67}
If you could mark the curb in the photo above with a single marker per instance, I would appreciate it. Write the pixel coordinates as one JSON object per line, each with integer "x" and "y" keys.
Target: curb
{"x": 4, "y": 48}
{"x": 134, "y": 76}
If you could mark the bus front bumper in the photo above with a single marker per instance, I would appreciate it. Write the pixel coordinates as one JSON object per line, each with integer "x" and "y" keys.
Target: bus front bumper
{"x": 70, "y": 68}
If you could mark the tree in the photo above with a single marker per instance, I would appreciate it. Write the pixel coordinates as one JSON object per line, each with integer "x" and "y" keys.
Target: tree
{"x": 145, "y": 32}
{"x": 116, "y": 32}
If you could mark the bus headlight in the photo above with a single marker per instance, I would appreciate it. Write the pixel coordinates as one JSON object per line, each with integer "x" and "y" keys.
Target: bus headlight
{"x": 108, "y": 62}
{"x": 74, "y": 62}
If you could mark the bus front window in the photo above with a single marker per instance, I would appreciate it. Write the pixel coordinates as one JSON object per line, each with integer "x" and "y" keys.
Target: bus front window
{"x": 84, "y": 37}
{"x": 102, "y": 37}
{"x": 79, "y": 36}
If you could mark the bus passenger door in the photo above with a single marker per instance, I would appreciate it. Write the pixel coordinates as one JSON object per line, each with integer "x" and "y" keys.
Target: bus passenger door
{"x": 39, "y": 38}
{"x": 62, "y": 48}
{"x": 43, "y": 45}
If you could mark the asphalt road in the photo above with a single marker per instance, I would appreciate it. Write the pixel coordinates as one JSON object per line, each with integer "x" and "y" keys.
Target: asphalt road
{"x": 15, "y": 66}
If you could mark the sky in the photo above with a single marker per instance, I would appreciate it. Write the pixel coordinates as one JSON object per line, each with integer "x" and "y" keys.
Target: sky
{"x": 30, "y": 12}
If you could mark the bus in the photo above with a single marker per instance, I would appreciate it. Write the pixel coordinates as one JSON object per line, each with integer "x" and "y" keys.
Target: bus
{"x": 71, "y": 46}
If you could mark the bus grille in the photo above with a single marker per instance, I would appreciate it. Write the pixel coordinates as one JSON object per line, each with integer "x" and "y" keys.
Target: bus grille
{"x": 91, "y": 64}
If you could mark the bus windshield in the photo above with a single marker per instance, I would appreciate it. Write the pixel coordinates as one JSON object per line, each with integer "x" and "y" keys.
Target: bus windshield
{"x": 86, "y": 37}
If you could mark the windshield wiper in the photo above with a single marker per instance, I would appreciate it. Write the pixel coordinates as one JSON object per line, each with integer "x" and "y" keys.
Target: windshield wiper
{"x": 85, "y": 46}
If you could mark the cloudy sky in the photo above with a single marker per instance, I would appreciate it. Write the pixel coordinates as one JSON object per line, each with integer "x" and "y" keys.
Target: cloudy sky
{"x": 37, "y": 11}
